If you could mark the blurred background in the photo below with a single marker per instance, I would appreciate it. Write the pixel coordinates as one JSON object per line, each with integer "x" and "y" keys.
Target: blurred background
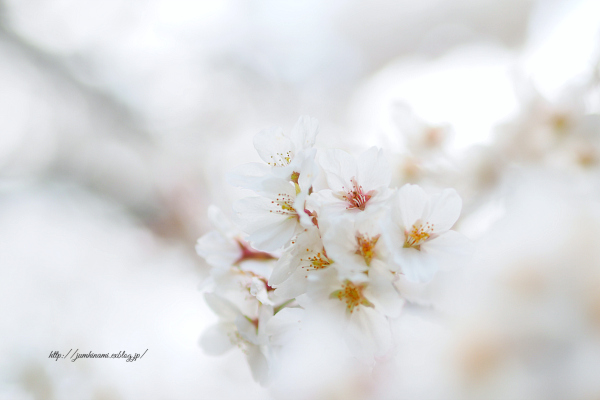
{"x": 120, "y": 119}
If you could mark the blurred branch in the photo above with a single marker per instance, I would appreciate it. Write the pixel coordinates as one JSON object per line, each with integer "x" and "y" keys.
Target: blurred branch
{"x": 94, "y": 160}
{"x": 52, "y": 66}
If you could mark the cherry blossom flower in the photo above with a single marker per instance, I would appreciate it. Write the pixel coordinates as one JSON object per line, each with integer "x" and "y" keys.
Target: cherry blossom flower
{"x": 235, "y": 329}
{"x": 420, "y": 138}
{"x": 306, "y": 255}
{"x": 235, "y": 265}
{"x": 418, "y": 232}
{"x": 277, "y": 216}
{"x": 340, "y": 244}
{"x": 356, "y": 244}
{"x": 281, "y": 329}
{"x": 358, "y": 309}
{"x": 354, "y": 184}
{"x": 417, "y": 148}
{"x": 224, "y": 246}
{"x": 271, "y": 220}
{"x": 283, "y": 154}
{"x": 543, "y": 129}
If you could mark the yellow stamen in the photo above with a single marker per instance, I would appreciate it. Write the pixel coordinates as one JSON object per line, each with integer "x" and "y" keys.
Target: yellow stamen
{"x": 418, "y": 234}
{"x": 352, "y": 295}
{"x": 366, "y": 247}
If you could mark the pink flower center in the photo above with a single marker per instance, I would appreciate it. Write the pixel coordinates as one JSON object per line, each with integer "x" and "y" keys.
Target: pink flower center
{"x": 249, "y": 253}
{"x": 356, "y": 196}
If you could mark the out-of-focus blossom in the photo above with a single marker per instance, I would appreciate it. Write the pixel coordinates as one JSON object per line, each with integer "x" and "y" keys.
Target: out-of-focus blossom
{"x": 358, "y": 310}
{"x": 235, "y": 329}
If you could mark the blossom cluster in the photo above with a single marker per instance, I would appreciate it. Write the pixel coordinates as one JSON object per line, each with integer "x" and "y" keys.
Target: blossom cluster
{"x": 325, "y": 232}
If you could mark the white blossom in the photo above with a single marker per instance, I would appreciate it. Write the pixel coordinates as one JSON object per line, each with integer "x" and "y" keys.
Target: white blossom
{"x": 235, "y": 329}
{"x": 418, "y": 232}
{"x": 353, "y": 183}
{"x": 355, "y": 244}
{"x": 358, "y": 309}
{"x": 285, "y": 155}
{"x": 340, "y": 248}
{"x": 271, "y": 220}
{"x": 305, "y": 256}
{"x": 220, "y": 248}
{"x": 275, "y": 217}
{"x": 225, "y": 247}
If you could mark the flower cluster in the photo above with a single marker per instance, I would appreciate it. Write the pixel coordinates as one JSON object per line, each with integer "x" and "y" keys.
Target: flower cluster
{"x": 324, "y": 233}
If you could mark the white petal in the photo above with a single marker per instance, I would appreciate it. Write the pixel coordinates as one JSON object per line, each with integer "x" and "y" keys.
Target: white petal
{"x": 215, "y": 339}
{"x": 368, "y": 334}
{"x": 340, "y": 242}
{"x": 248, "y": 176}
{"x": 393, "y": 236}
{"x": 271, "y": 144}
{"x": 339, "y": 238}
{"x": 368, "y": 222}
{"x": 258, "y": 289}
{"x": 304, "y": 133}
{"x": 222, "y": 307}
{"x": 292, "y": 287}
{"x": 411, "y": 202}
{"x": 443, "y": 210}
{"x": 295, "y": 255}
{"x": 339, "y": 168}
{"x": 285, "y": 267}
{"x": 268, "y": 227}
{"x": 382, "y": 294}
{"x": 221, "y": 222}
{"x": 265, "y": 313}
{"x": 285, "y": 172}
{"x": 275, "y": 187}
{"x": 275, "y": 236}
{"x": 321, "y": 283}
{"x": 300, "y": 207}
{"x": 309, "y": 169}
{"x": 416, "y": 265}
{"x": 450, "y": 248}
{"x": 252, "y": 213}
{"x": 381, "y": 198}
{"x": 423, "y": 294}
{"x": 258, "y": 365}
{"x": 259, "y": 267}
{"x": 218, "y": 251}
{"x": 325, "y": 203}
{"x": 283, "y": 325}
{"x": 373, "y": 169}
{"x": 246, "y": 329}
{"x": 352, "y": 270}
